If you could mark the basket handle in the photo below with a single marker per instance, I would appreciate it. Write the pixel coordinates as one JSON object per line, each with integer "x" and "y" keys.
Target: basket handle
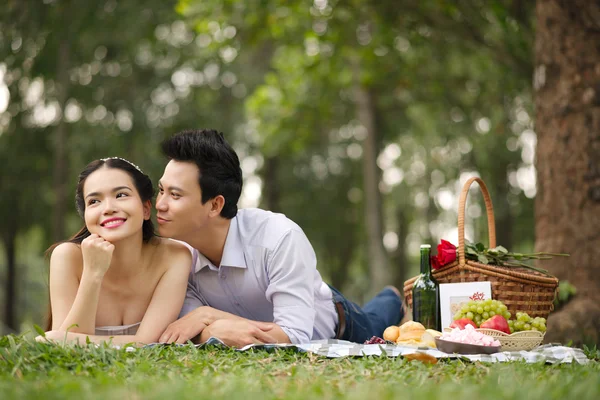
{"x": 461, "y": 217}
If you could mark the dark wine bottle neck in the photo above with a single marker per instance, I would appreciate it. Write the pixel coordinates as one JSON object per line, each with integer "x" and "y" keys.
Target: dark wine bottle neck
{"x": 425, "y": 261}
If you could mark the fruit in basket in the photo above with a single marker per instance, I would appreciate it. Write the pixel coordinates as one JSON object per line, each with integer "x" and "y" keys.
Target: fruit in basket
{"x": 480, "y": 310}
{"x": 461, "y": 323}
{"x": 524, "y": 322}
{"x": 497, "y": 322}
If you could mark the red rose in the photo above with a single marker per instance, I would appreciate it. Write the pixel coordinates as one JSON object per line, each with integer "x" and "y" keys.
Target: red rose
{"x": 446, "y": 253}
{"x": 435, "y": 264}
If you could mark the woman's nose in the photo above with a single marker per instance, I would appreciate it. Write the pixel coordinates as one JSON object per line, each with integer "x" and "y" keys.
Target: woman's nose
{"x": 109, "y": 206}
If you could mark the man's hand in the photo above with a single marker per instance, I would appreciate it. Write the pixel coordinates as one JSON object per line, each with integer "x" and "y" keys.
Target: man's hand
{"x": 188, "y": 327}
{"x": 239, "y": 333}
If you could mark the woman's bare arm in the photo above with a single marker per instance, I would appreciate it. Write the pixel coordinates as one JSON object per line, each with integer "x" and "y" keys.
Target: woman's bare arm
{"x": 73, "y": 303}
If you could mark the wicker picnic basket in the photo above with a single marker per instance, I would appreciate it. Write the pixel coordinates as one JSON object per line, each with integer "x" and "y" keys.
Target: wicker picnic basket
{"x": 520, "y": 289}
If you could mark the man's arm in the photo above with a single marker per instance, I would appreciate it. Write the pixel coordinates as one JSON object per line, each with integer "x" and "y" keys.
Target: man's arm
{"x": 291, "y": 268}
{"x": 200, "y": 323}
{"x": 196, "y": 316}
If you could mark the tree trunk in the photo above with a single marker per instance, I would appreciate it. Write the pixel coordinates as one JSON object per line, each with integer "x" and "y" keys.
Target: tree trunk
{"x": 502, "y": 213}
{"x": 400, "y": 259}
{"x": 567, "y": 84}
{"x": 340, "y": 263}
{"x": 10, "y": 312}
{"x": 271, "y": 196}
{"x": 60, "y": 145}
{"x": 378, "y": 263}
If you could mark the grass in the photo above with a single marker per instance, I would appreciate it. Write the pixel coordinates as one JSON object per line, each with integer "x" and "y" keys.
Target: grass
{"x": 35, "y": 370}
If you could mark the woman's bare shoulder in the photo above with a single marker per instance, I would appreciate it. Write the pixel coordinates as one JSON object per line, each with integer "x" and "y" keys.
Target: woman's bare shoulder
{"x": 66, "y": 256}
{"x": 67, "y": 250}
{"x": 174, "y": 253}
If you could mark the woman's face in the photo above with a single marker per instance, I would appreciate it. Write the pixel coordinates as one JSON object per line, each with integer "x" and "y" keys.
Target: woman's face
{"x": 113, "y": 207}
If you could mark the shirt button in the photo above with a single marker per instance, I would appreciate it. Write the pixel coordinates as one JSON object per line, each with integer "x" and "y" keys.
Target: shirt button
{"x": 237, "y": 304}
{"x": 223, "y": 276}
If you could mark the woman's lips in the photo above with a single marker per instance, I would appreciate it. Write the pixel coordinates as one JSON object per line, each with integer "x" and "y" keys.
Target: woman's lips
{"x": 113, "y": 223}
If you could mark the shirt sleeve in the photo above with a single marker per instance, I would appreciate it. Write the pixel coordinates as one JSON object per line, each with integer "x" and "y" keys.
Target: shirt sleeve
{"x": 291, "y": 271}
{"x": 193, "y": 298}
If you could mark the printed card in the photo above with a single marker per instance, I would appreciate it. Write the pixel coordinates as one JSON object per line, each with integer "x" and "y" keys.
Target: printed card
{"x": 454, "y": 295}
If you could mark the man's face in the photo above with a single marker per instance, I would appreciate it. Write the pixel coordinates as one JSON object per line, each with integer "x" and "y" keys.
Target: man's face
{"x": 179, "y": 209}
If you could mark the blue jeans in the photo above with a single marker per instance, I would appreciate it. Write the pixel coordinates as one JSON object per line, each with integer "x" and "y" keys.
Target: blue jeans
{"x": 385, "y": 309}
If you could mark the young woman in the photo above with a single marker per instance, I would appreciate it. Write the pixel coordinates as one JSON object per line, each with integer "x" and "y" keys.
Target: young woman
{"x": 115, "y": 280}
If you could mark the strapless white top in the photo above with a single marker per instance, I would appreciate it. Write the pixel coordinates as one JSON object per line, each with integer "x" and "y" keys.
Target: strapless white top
{"x": 117, "y": 330}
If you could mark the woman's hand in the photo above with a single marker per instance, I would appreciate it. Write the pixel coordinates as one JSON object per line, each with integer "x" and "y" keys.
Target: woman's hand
{"x": 52, "y": 336}
{"x": 97, "y": 254}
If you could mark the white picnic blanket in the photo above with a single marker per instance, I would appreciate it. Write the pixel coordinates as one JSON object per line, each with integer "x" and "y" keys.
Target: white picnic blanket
{"x": 333, "y": 348}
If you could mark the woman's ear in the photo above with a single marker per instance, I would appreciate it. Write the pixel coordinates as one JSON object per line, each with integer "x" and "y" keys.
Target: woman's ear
{"x": 147, "y": 209}
{"x": 216, "y": 205}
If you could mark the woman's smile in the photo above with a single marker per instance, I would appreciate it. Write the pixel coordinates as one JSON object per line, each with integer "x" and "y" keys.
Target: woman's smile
{"x": 113, "y": 222}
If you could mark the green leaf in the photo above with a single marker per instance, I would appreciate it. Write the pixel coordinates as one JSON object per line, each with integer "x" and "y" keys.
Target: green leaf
{"x": 501, "y": 250}
{"x": 480, "y": 247}
{"x": 482, "y": 259}
{"x": 39, "y": 330}
{"x": 470, "y": 250}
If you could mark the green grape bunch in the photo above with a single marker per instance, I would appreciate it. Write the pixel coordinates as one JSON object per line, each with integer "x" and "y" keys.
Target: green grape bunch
{"x": 525, "y": 323}
{"x": 479, "y": 311}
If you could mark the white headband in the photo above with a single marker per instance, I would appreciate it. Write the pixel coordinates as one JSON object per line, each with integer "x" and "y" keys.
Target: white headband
{"x": 122, "y": 159}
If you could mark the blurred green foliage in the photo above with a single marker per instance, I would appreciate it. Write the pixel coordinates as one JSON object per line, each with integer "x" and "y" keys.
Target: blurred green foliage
{"x": 450, "y": 84}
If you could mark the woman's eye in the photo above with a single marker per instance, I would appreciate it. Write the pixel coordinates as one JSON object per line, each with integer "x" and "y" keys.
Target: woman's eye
{"x": 175, "y": 195}
{"x": 121, "y": 195}
{"x": 92, "y": 202}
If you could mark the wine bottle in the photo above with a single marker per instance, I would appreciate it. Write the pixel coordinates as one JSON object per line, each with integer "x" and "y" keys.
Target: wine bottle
{"x": 426, "y": 296}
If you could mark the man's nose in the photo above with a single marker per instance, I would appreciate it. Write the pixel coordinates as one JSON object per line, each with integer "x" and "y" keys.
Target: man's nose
{"x": 161, "y": 204}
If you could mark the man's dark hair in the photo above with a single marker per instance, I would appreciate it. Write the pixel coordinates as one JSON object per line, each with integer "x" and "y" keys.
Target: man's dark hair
{"x": 219, "y": 165}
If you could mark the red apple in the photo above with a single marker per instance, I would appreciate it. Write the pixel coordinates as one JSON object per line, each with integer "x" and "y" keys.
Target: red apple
{"x": 497, "y": 322}
{"x": 461, "y": 323}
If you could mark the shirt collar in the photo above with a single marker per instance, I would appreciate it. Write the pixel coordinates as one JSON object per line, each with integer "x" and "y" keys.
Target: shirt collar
{"x": 233, "y": 251}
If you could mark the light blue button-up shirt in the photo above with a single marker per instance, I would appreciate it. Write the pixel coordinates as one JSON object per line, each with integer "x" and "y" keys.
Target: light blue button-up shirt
{"x": 268, "y": 272}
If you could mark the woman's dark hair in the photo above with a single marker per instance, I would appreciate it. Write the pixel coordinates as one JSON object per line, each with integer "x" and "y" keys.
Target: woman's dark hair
{"x": 142, "y": 183}
{"x": 219, "y": 165}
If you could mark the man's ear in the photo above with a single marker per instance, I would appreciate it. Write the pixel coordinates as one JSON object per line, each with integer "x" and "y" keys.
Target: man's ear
{"x": 216, "y": 205}
{"x": 147, "y": 209}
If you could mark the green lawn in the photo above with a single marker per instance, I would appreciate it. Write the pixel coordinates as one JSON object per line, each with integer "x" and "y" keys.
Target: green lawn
{"x": 30, "y": 370}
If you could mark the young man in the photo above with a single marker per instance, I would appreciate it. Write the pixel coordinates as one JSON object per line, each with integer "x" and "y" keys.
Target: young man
{"x": 254, "y": 277}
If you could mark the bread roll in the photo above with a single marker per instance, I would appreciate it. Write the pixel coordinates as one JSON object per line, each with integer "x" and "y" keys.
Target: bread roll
{"x": 410, "y": 330}
{"x": 391, "y": 333}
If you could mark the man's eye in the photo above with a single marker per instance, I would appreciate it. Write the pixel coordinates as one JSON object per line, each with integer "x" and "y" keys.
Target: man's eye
{"x": 176, "y": 195}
